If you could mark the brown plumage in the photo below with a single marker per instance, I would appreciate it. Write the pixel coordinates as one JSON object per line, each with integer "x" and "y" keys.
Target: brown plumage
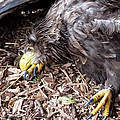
{"x": 83, "y": 30}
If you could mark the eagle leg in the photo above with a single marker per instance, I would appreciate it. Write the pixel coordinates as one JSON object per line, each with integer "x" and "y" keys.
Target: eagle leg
{"x": 105, "y": 95}
{"x": 28, "y": 63}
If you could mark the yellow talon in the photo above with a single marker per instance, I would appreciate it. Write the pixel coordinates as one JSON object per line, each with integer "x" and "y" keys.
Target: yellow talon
{"x": 106, "y": 96}
{"x": 98, "y": 95}
{"x": 27, "y": 63}
{"x": 31, "y": 68}
{"x": 107, "y": 106}
{"x": 40, "y": 66}
{"x": 102, "y": 102}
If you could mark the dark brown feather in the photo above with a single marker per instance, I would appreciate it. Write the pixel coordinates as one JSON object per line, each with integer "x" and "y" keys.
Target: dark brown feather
{"x": 84, "y": 31}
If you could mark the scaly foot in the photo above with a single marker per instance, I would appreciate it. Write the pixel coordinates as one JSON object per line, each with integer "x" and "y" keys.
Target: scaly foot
{"x": 105, "y": 95}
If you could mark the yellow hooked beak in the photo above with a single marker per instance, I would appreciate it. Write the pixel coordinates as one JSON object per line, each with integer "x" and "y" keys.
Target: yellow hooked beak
{"x": 27, "y": 60}
{"x": 28, "y": 65}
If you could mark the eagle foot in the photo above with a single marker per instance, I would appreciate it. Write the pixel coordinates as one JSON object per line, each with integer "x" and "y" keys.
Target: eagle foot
{"x": 28, "y": 63}
{"x": 105, "y": 95}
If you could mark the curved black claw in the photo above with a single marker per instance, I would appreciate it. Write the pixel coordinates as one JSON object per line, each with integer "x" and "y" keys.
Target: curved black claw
{"x": 105, "y": 118}
{"x": 35, "y": 71}
{"x": 89, "y": 101}
{"x": 25, "y": 74}
{"x": 89, "y": 116}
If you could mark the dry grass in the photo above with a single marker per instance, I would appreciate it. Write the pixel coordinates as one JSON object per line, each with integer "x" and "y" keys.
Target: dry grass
{"x": 59, "y": 92}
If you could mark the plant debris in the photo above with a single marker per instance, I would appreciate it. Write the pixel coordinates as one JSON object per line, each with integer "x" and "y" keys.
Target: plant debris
{"x": 59, "y": 92}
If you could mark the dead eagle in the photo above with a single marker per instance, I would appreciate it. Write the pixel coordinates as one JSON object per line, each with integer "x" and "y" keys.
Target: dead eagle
{"x": 86, "y": 31}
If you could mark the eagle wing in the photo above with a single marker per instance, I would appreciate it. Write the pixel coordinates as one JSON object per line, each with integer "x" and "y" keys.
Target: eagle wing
{"x": 94, "y": 33}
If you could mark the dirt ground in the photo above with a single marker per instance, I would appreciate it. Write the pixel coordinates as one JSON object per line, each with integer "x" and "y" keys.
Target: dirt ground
{"x": 59, "y": 92}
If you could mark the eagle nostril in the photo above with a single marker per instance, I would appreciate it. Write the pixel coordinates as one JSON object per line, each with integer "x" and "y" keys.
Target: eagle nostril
{"x": 20, "y": 53}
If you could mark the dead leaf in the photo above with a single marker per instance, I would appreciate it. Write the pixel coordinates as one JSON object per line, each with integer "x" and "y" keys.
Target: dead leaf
{"x": 63, "y": 114}
{"x": 12, "y": 77}
{"x": 16, "y": 90}
{"x": 1, "y": 74}
{"x": 17, "y": 106}
{"x": 83, "y": 88}
{"x": 11, "y": 102}
{"x": 14, "y": 70}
